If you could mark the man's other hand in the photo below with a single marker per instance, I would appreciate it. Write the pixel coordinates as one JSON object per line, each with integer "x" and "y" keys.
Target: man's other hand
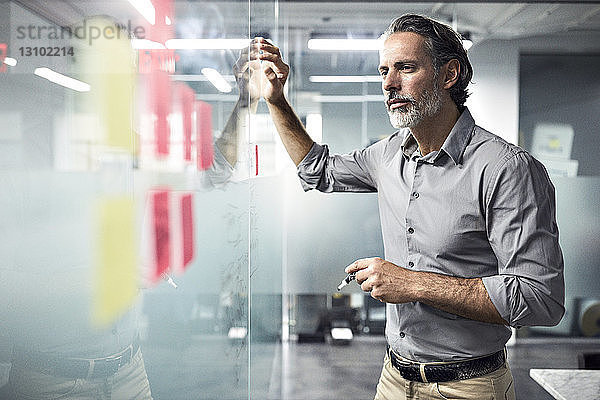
{"x": 385, "y": 281}
{"x": 247, "y": 76}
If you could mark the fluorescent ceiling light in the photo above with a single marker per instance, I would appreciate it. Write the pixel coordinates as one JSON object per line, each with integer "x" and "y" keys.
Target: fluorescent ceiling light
{"x": 345, "y": 44}
{"x": 145, "y": 8}
{"x": 199, "y": 78}
{"x": 62, "y": 80}
{"x": 216, "y": 79}
{"x": 207, "y": 44}
{"x": 10, "y": 61}
{"x": 348, "y": 98}
{"x": 145, "y": 44}
{"x": 218, "y": 97}
{"x": 467, "y": 43}
{"x": 344, "y": 78}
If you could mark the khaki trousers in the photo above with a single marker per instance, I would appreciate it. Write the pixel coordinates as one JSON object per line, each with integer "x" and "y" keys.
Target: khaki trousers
{"x": 129, "y": 383}
{"x": 495, "y": 385}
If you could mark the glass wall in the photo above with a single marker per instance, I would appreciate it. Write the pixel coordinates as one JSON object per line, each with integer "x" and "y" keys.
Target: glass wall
{"x": 126, "y": 220}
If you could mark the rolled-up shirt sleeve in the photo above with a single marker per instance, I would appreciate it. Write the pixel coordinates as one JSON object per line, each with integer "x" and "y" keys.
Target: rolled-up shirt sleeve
{"x": 353, "y": 172}
{"x": 522, "y": 230}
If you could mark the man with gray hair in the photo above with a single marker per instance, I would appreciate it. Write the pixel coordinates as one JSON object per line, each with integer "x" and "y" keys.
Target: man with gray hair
{"x": 468, "y": 220}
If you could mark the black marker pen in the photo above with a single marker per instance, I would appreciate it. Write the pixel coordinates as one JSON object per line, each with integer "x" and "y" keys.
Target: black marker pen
{"x": 349, "y": 278}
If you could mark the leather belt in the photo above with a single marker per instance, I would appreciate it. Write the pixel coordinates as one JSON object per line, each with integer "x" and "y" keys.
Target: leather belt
{"x": 447, "y": 371}
{"x": 75, "y": 368}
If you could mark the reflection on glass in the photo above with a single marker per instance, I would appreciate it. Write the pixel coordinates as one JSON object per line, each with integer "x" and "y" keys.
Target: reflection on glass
{"x": 125, "y": 263}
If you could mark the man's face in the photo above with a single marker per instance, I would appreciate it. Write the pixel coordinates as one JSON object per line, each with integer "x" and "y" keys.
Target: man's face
{"x": 409, "y": 84}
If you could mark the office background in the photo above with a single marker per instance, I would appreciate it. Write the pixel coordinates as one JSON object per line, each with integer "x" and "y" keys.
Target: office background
{"x": 256, "y": 299}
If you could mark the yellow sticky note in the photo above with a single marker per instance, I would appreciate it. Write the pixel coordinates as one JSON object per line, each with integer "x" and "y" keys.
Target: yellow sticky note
{"x": 108, "y": 65}
{"x": 117, "y": 104}
{"x": 116, "y": 94}
{"x": 115, "y": 284}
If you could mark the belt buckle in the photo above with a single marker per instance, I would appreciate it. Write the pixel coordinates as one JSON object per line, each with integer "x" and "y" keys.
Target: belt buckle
{"x": 119, "y": 361}
{"x": 126, "y": 356}
{"x": 110, "y": 365}
{"x": 412, "y": 371}
{"x": 104, "y": 368}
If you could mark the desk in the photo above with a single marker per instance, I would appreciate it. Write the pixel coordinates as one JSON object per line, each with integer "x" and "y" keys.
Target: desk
{"x": 569, "y": 384}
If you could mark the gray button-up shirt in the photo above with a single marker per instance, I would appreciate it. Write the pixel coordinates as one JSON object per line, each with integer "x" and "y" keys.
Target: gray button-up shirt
{"x": 479, "y": 207}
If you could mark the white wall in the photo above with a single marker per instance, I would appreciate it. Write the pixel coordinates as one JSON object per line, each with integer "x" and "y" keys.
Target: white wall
{"x": 494, "y": 101}
{"x": 495, "y": 90}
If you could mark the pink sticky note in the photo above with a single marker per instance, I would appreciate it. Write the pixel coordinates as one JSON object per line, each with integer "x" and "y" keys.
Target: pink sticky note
{"x": 204, "y": 140}
{"x": 161, "y": 101}
{"x": 162, "y": 30}
{"x": 161, "y": 232}
{"x": 162, "y": 61}
{"x": 187, "y": 97}
{"x": 182, "y": 231}
{"x": 187, "y": 229}
{"x": 3, "y": 50}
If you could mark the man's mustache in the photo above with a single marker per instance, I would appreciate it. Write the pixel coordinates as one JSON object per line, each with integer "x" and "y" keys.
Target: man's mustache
{"x": 393, "y": 97}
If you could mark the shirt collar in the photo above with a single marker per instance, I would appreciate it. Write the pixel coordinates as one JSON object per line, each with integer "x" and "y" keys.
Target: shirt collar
{"x": 455, "y": 143}
{"x": 459, "y": 136}
{"x": 409, "y": 144}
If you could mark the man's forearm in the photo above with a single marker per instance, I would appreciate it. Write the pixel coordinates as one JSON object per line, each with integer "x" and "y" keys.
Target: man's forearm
{"x": 465, "y": 297}
{"x": 293, "y": 135}
{"x": 393, "y": 284}
{"x": 236, "y": 124}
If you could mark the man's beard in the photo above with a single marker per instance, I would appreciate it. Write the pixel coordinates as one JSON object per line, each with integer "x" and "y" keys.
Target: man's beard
{"x": 410, "y": 115}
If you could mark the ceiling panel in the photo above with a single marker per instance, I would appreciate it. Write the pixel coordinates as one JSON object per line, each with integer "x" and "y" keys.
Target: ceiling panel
{"x": 482, "y": 20}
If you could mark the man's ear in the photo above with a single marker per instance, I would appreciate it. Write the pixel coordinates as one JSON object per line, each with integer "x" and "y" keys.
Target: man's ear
{"x": 451, "y": 73}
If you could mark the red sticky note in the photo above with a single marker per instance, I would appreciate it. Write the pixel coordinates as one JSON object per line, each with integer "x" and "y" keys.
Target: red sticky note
{"x": 182, "y": 231}
{"x": 162, "y": 61}
{"x": 161, "y": 101}
{"x": 204, "y": 140}
{"x": 3, "y": 50}
{"x": 162, "y": 30}
{"x": 187, "y": 229}
{"x": 187, "y": 97}
{"x": 161, "y": 232}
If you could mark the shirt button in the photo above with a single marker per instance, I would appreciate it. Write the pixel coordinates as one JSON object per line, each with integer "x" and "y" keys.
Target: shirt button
{"x": 416, "y": 195}
{"x": 402, "y": 334}
{"x": 411, "y": 264}
{"x": 411, "y": 230}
